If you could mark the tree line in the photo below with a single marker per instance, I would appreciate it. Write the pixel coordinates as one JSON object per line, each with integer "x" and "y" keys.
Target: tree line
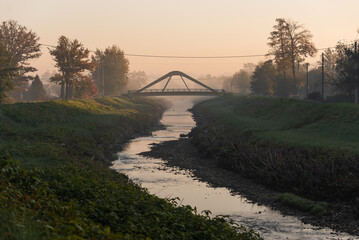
{"x": 286, "y": 74}
{"x": 79, "y": 75}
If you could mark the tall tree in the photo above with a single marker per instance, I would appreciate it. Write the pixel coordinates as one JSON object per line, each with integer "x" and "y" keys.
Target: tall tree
{"x": 36, "y": 91}
{"x": 263, "y": 78}
{"x": 72, "y": 59}
{"x": 23, "y": 46}
{"x": 111, "y": 70}
{"x": 290, "y": 43}
{"x": 7, "y": 72}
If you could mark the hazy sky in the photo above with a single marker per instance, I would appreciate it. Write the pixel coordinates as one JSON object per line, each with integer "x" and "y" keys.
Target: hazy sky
{"x": 181, "y": 27}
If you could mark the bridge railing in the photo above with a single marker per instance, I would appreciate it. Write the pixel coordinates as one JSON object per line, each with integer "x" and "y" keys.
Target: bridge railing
{"x": 175, "y": 90}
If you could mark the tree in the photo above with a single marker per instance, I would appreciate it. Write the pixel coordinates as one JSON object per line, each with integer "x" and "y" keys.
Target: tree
{"x": 7, "y": 72}
{"x": 36, "y": 91}
{"x": 263, "y": 78}
{"x": 241, "y": 81}
{"x": 22, "y": 45}
{"x": 136, "y": 80}
{"x": 111, "y": 70}
{"x": 85, "y": 88}
{"x": 347, "y": 67}
{"x": 290, "y": 43}
{"x": 72, "y": 59}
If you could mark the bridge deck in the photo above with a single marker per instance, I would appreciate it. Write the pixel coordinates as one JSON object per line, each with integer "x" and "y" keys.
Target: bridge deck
{"x": 179, "y": 91}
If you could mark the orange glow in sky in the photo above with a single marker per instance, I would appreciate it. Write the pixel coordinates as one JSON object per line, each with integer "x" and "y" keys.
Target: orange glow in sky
{"x": 181, "y": 27}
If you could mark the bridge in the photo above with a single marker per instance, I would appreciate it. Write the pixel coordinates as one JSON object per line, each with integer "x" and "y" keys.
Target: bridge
{"x": 205, "y": 91}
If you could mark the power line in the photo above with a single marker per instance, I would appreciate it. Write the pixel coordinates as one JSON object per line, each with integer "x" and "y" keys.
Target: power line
{"x": 188, "y": 57}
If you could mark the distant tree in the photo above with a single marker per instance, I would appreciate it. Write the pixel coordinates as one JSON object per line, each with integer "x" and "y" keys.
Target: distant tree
{"x": 290, "y": 43}
{"x": 136, "y": 80}
{"x": 23, "y": 46}
{"x": 111, "y": 70}
{"x": 347, "y": 67}
{"x": 241, "y": 81}
{"x": 85, "y": 88}
{"x": 249, "y": 67}
{"x": 315, "y": 80}
{"x": 7, "y": 72}
{"x": 36, "y": 91}
{"x": 72, "y": 59}
{"x": 263, "y": 78}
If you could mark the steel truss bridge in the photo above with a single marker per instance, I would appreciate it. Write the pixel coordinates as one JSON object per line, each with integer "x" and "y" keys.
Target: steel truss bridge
{"x": 205, "y": 91}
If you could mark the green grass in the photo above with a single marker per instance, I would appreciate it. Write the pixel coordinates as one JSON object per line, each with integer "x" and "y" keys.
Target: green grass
{"x": 57, "y": 130}
{"x": 317, "y": 208}
{"x": 286, "y": 121}
{"x": 55, "y": 182}
{"x": 291, "y": 145}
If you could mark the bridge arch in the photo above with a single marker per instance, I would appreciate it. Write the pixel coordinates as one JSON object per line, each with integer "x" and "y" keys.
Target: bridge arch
{"x": 145, "y": 91}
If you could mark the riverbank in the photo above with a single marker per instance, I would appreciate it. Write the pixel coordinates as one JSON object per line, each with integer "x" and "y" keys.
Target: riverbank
{"x": 306, "y": 148}
{"x": 311, "y": 149}
{"x": 62, "y": 187}
{"x": 185, "y": 155}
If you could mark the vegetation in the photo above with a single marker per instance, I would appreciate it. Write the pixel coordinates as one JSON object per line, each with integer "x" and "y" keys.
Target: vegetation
{"x": 347, "y": 67}
{"x": 36, "y": 91}
{"x": 62, "y": 188}
{"x": 111, "y": 70}
{"x": 22, "y": 44}
{"x": 263, "y": 78}
{"x": 7, "y": 72}
{"x": 317, "y": 208}
{"x": 290, "y": 43}
{"x": 72, "y": 59}
{"x": 292, "y": 145}
{"x": 136, "y": 80}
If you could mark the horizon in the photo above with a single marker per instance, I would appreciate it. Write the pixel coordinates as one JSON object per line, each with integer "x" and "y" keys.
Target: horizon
{"x": 186, "y": 28}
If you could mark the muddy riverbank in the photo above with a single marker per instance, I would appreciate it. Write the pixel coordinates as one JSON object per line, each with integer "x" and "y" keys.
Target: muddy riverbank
{"x": 183, "y": 154}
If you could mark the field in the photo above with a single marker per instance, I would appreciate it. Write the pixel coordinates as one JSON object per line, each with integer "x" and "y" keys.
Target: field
{"x": 55, "y": 182}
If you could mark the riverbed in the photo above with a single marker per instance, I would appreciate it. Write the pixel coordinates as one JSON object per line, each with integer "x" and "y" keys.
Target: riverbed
{"x": 172, "y": 182}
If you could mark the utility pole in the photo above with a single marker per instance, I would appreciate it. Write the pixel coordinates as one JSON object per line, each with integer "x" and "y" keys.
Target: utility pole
{"x": 98, "y": 78}
{"x": 356, "y": 71}
{"x": 323, "y": 77}
{"x": 103, "y": 81}
{"x": 307, "y": 65}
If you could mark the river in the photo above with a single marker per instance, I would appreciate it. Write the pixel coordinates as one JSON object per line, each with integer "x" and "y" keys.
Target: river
{"x": 167, "y": 182}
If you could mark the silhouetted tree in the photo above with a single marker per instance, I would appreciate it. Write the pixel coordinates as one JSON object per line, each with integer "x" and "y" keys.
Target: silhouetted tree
{"x": 290, "y": 43}
{"x": 36, "y": 91}
{"x": 111, "y": 70}
{"x": 22, "y": 45}
{"x": 263, "y": 78}
{"x": 347, "y": 67}
{"x": 72, "y": 59}
{"x": 7, "y": 72}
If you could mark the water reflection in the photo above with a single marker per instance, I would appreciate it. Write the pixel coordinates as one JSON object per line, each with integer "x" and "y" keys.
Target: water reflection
{"x": 171, "y": 182}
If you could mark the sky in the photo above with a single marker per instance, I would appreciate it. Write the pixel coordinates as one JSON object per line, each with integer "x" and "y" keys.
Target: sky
{"x": 181, "y": 28}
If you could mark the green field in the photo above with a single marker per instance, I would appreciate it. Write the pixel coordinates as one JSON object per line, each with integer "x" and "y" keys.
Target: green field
{"x": 307, "y": 147}
{"x": 286, "y": 121}
{"x": 55, "y": 182}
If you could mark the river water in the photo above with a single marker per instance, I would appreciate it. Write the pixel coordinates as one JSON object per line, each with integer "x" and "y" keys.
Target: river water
{"x": 168, "y": 182}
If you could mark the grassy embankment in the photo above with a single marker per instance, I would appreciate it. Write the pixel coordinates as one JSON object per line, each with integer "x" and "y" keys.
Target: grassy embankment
{"x": 298, "y": 146}
{"x": 62, "y": 187}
